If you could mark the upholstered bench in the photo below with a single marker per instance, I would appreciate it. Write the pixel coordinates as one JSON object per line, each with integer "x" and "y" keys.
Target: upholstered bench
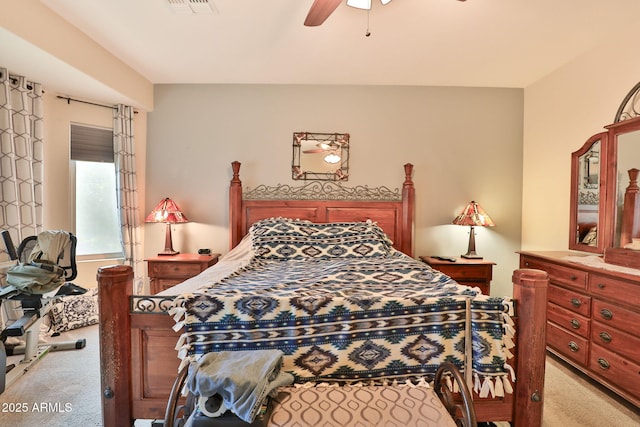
{"x": 328, "y": 405}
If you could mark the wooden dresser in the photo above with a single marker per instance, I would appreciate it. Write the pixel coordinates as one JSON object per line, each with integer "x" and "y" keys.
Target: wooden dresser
{"x": 593, "y": 319}
{"x": 166, "y": 271}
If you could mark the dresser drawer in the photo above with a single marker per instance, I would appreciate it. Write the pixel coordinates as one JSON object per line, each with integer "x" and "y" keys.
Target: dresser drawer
{"x": 558, "y": 274}
{"x": 569, "y": 299}
{"x": 615, "y": 340}
{"x": 571, "y": 345}
{"x": 569, "y": 320}
{"x": 178, "y": 270}
{"x": 616, "y": 317}
{"x": 620, "y": 290}
{"x": 619, "y": 372}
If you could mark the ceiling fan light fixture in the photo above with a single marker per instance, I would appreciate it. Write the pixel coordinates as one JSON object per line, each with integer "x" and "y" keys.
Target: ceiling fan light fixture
{"x": 361, "y": 4}
{"x": 332, "y": 158}
{"x": 364, "y": 4}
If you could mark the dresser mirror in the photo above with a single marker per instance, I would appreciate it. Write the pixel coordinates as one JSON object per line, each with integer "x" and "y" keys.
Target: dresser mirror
{"x": 588, "y": 171}
{"x": 320, "y": 156}
{"x": 625, "y": 149}
{"x": 605, "y": 198}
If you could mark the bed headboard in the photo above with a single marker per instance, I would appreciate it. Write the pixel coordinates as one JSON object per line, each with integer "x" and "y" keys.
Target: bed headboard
{"x": 392, "y": 211}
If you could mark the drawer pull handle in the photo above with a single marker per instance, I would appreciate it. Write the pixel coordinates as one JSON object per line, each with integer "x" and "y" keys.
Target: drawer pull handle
{"x": 601, "y": 286}
{"x": 606, "y": 314}
{"x": 573, "y": 346}
{"x": 604, "y": 336}
{"x": 574, "y": 278}
{"x": 575, "y": 323}
{"x": 603, "y": 363}
{"x": 576, "y": 302}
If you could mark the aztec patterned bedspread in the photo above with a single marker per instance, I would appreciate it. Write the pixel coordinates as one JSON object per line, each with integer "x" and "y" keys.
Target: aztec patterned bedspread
{"x": 370, "y": 313}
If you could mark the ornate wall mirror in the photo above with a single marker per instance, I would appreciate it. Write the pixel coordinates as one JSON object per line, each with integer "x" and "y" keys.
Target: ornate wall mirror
{"x": 588, "y": 171}
{"x": 320, "y": 156}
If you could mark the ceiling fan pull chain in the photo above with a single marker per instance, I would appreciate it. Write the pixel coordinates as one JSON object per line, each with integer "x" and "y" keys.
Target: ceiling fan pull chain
{"x": 367, "y": 33}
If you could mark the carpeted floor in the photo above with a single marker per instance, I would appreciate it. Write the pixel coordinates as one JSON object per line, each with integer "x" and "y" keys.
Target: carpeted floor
{"x": 63, "y": 389}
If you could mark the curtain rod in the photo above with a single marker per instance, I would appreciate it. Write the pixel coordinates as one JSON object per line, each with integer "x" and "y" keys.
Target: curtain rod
{"x": 86, "y": 102}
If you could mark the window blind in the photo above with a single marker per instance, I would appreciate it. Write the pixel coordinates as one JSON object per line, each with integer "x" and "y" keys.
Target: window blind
{"x": 91, "y": 144}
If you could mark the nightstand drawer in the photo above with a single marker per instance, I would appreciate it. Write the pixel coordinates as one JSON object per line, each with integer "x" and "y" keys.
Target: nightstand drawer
{"x": 176, "y": 270}
{"x": 466, "y": 271}
{"x": 166, "y": 271}
{"x": 162, "y": 284}
{"x": 470, "y": 273}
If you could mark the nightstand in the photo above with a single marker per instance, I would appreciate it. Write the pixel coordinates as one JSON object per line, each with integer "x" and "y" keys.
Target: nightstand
{"x": 470, "y": 272}
{"x": 166, "y": 271}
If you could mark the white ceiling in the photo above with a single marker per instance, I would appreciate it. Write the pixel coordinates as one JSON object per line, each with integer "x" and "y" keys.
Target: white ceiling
{"x": 493, "y": 43}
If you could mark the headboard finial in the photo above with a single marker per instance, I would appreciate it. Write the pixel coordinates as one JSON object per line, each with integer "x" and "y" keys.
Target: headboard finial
{"x": 235, "y": 165}
{"x": 408, "y": 172}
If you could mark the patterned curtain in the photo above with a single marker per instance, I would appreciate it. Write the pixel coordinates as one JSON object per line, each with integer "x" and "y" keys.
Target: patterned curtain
{"x": 127, "y": 188}
{"x": 21, "y": 148}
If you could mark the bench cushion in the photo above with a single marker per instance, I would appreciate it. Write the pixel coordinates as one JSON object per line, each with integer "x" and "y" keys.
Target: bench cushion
{"x": 390, "y": 405}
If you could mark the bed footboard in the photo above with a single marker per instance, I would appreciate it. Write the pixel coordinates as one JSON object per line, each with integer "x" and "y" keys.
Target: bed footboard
{"x": 530, "y": 294}
{"x": 138, "y": 361}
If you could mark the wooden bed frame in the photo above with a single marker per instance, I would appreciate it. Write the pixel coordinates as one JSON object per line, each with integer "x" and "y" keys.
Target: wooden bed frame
{"x": 139, "y": 362}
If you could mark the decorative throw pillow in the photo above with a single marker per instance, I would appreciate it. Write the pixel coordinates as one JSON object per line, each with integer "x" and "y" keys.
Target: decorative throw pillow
{"x": 74, "y": 311}
{"x": 283, "y": 238}
{"x": 591, "y": 238}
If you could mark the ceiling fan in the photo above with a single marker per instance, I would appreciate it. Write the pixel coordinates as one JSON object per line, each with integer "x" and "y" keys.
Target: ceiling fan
{"x": 323, "y": 147}
{"x": 322, "y": 9}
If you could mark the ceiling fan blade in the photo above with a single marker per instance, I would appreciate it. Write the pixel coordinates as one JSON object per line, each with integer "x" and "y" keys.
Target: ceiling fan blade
{"x": 320, "y": 11}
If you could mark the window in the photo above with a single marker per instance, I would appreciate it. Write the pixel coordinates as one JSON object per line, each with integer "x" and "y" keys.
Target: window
{"x": 96, "y": 219}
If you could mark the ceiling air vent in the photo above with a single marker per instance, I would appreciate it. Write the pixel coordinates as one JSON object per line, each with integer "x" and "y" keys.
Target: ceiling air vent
{"x": 198, "y": 7}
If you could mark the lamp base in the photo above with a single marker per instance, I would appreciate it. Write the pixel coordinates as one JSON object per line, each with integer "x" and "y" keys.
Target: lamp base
{"x": 168, "y": 253}
{"x": 168, "y": 243}
{"x": 471, "y": 250}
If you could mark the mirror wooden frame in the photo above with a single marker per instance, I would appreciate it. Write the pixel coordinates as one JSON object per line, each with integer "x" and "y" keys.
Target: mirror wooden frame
{"x": 627, "y": 120}
{"x": 575, "y": 226}
{"x": 615, "y": 254}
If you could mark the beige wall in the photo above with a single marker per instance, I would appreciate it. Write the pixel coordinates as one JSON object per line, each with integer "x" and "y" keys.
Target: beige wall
{"x": 561, "y": 112}
{"x": 465, "y": 143}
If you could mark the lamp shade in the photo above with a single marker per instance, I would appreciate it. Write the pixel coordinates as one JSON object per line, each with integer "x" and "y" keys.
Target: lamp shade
{"x": 166, "y": 211}
{"x": 474, "y": 215}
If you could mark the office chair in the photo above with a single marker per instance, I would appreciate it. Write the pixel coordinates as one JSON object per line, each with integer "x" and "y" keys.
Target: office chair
{"x": 33, "y": 304}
